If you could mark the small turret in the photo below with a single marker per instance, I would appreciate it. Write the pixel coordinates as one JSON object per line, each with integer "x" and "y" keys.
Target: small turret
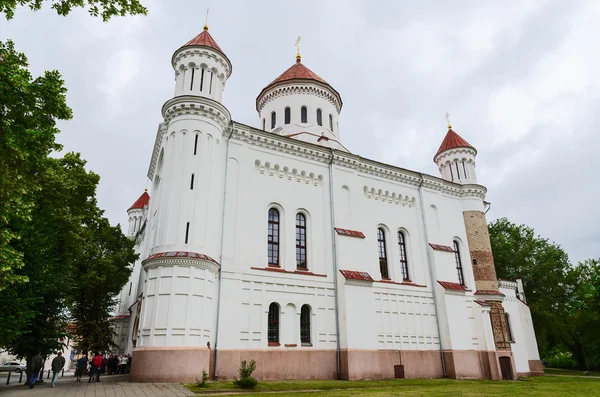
{"x": 456, "y": 159}
{"x": 137, "y": 214}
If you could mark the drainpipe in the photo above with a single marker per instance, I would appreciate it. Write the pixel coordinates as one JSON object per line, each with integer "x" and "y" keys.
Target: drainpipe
{"x": 221, "y": 255}
{"x": 335, "y": 265}
{"x": 432, "y": 277}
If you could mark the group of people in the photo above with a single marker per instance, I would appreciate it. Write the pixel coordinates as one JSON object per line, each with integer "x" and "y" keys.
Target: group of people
{"x": 36, "y": 364}
{"x": 102, "y": 364}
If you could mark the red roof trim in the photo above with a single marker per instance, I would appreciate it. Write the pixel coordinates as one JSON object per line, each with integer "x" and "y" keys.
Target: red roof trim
{"x": 452, "y": 141}
{"x": 356, "y": 275}
{"x": 141, "y": 202}
{"x": 439, "y": 247}
{"x": 348, "y": 232}
{"x": 452, "y": 286}
{"x": 180, "y": 254}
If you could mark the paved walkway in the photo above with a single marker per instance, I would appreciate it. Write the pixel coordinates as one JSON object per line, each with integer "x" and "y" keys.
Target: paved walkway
{"x": 110, "y": 386}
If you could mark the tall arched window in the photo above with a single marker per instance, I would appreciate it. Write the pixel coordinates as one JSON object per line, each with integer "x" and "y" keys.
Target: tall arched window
{"x": 264, "y": 124}
{"x": 383, "y": 266}
{"x": 319, "y": 117}
{"x": 403, "y": 258}
{"x": 273, "y": 324}
{"x": 459, "y": 268}
{"x": 273, "y": 119}
{"x": 331, "y": 122}
{"x": 305, "y": 325}
{"x": 288, "y": 115}
{"x": 303, "y": 114}
{"x": 195, "y": 144}
{"x": 301, "y": 262}
{"x": 273, "y": 238}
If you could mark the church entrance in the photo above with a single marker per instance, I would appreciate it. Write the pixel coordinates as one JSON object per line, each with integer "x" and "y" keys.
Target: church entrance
{"x": 505, "y": 368}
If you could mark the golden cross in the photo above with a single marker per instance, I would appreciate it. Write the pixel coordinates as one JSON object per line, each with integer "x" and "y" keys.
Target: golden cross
{"x": 448, "y": 119}
{"x": 298, "y": 45}
{"x": 206, "y": 21}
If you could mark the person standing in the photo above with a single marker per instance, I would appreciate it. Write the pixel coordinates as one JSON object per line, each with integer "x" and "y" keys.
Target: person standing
{"x": 36, "y": 366}
{"x": 96, "y": 366}
{"x": 57, "y": 365}
{"x": 124, "y": 361}
{"x": 81, "y": 366}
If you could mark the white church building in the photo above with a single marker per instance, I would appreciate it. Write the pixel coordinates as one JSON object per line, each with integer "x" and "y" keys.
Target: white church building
{"x": 277, "y": 244}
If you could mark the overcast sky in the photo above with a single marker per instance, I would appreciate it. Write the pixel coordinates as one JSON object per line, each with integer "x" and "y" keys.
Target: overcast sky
{"x": 521, "y": 81}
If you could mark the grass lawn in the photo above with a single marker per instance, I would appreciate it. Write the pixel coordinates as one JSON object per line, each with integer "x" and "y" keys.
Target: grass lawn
{"x": 535, "y": 386}
{"x": 573, "y": 372}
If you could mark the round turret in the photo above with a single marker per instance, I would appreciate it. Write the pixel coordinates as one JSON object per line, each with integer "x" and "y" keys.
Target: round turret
{"x": 137, "y": 214}
{"x": 456, "y": 159}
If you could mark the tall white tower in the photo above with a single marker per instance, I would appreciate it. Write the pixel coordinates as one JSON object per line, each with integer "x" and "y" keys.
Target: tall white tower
{"x": 456, "y": 159}
{"x": 137, "y": 214}
{"x": 187, "y": 169}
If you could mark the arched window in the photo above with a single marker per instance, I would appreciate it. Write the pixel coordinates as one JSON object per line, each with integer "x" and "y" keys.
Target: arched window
{"x": 301, "y": 262}
{"x": 273, "y": 119}
{"x": 403, "y": 260}
{"x": 511, "y": 337}
{"x": 273, "y": 237}
{"x": 383, "y": 266}
{"x": 303, "y": 114}
{"x": 459, "y": 268}
{"x": 195, "y": 144}
{"x": 287, "y": 116}
{"x": 273, "y": 324}
{"x": 264, "y": 124}
{"x": 319, "y": 117}
{"x": 331, "y": 122}
{"x": 192, "y": 182}
{"x": 305, "y": 325}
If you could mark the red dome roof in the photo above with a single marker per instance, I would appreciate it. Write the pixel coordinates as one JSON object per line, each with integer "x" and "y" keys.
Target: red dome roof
{"x": 206, "y": 40}
{"x": 298, "y": 72}
{"x": 141, "y": 202}
{"x": 452, "y": 141}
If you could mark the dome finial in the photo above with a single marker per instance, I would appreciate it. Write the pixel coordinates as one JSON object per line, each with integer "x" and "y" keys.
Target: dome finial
{"x": 298, "y": 56}
{"x": 206, "y": 22}
{"x": 448, "y": 120}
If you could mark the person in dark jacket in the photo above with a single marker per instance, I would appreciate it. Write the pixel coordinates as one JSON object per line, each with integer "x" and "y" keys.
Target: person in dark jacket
{"x": 36, "y": 362}
{"x": 81, "y": 367}
{"x": 57, "y": 365}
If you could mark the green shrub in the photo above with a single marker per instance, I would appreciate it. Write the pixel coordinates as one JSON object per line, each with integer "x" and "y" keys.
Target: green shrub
{"x": 202, "y": 383}
{"x": 562, "y": 360}
{"x": 246, "y": 380}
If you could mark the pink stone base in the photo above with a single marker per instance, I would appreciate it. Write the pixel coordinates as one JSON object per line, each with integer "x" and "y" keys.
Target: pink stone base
{"x": 379, "y": 364}
{"x": 472, "y": 364}
{"x": 536, "y": 368}
{"x": 279, "y": 364}
{"x": 169, "y": 364}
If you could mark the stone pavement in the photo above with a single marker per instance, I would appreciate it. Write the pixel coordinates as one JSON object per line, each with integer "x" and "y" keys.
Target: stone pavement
{"x": 110, "y": 386}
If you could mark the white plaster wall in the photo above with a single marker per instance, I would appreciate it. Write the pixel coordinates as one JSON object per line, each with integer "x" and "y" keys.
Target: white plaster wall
{"x": 197, "y": 60}
{"x": 457, "y": 165}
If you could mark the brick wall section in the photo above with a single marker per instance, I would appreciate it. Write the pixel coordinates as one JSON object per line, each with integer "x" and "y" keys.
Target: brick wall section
{"x": 481, "y": 251}
{"x": 499, "y": 326}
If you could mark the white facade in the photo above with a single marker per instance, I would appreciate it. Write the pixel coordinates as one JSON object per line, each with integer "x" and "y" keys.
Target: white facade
{"x": 206, "y": 280}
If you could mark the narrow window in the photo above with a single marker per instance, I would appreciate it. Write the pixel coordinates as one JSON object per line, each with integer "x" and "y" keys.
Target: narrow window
{"x": 130, "y": 285}
{"x": 451, "y": 174}
{"x": 383, "y": 267}
{"x": 403, "y": 260}
{"x": 210, "y": 86}
{"x": 273, "y": 237}
{"x": 319, "y": 117}
{"x": 459, "y": 268}
{"x": 192, "y": 82}
{"x": 288, "y": 115}
{"x": 457, "y": 171}
{"x": 273, "y": 119}
{"x": 464, "y": 169}
{"x": 187, "y": 232}
{"x": 202, "y": 80}
{"x": 305, "y": 325}
{"x": 264, "y": 122}
{"x": 192, "y": 182}
{"x": 195, "y": 144}
{"x": 508, "y": 329}
{"x": 301, "y": 242}
{"x": 331, "y": 122}
{"x": 273, "y": 324}
{"x": 303, "y": 114}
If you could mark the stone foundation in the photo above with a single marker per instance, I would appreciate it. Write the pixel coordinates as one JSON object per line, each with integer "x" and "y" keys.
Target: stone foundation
{"x": 379, "y": 364}
{"x": 169, "y": 364}
{"x": 536, "y": 368}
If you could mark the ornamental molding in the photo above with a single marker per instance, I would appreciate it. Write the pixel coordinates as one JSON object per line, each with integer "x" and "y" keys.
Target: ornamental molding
{"x": 306, "y": 88}
{"x": 301, "y": 176}
{"x": 182, "y": 261}
{"x": 198, "y": 106}
{"x": 359, "y": 283}
{"x": 162, "y": 131}
{"x": 451, "y": 155}
{"x": 387, "y": 197}
{"x": 189, "y": 52}
{"x": 507, "y": 284}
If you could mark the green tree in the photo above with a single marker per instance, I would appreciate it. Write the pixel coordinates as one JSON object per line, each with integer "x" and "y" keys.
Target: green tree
{"x": 104, "y": 8}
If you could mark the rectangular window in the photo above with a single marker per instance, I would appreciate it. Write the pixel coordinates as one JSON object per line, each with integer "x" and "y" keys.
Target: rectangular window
{"x": 192, "y": 183}
{"x": 305, "y": 326}
{"x": 383, "y": 268}
{"x": 187, "y": 232}
{"x": 192, "y": 82}
{"x": 210, "y": 87}
{"x": 202, "y": 80}
{"x": 273, "y": 238}
{"x": 195, "y": 144}
{"x": 301, "y": 242}
{"x": 130, "y": 285}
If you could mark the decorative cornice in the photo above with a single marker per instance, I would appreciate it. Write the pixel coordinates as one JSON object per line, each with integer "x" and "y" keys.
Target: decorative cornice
{"x": 507, "y": 284}
{"x": 456, "y": 152}
{"x": 196, "y": 105}
{"x": 386, "y": 197}
{"x": 160, "y": 132}
{"x": 305, "y": 87}
{"x": 201, "y": 51}
{"x": 181, "y": 261}
{"x": 285, "y": 173}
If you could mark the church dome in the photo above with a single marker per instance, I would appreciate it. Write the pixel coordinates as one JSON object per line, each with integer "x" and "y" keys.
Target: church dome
{"x": 204, "y": 39}
{"x": 141, "y": 202}
{"x": 453, "y": 141}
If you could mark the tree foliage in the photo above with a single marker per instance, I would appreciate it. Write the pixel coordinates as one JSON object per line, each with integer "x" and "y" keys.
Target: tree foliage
{"x": 561, "y": 297}
{"x": 105, "y": 8}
